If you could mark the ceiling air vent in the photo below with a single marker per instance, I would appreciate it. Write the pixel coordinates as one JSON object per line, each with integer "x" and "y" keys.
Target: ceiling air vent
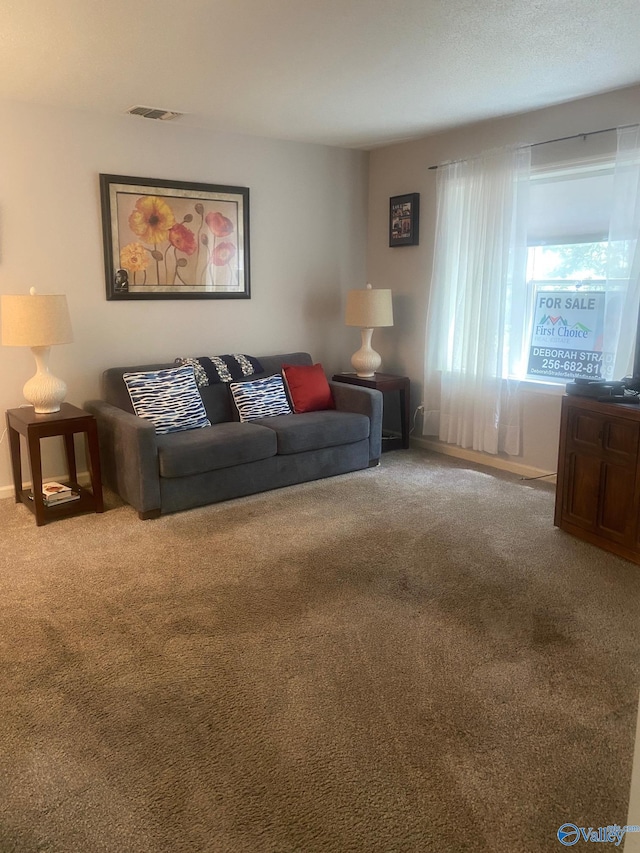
{"x": 153, "y": 112}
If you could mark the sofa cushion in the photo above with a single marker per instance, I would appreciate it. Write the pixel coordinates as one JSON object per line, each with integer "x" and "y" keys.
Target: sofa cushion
{"x": 315, "y": 430}
{"x": 224, "y": 445}
{"x": 168, "y": 398}
{"x": 260, "y": 398}
{"x": 308, "y": 388}
{"x": 273, "y": 363}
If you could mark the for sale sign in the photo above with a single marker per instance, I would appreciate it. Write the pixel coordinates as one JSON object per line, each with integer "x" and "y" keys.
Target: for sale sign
{"x": 566, "y": 339}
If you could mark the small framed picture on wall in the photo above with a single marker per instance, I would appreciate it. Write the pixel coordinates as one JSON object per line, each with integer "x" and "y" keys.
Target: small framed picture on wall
{"x": 404, "y": 219}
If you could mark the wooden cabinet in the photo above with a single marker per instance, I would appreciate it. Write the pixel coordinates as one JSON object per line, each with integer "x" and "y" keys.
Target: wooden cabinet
{"x": 598, "y": 480}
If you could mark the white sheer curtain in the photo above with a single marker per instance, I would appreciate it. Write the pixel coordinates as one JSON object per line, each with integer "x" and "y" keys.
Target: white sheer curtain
{"x": 474, "y": 326}
{"x": 623, "y": 276}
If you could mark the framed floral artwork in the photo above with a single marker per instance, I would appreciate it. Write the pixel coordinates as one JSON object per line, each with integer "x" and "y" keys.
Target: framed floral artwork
{"x": 404, "y": 219}
{"x": 174, "y": 240}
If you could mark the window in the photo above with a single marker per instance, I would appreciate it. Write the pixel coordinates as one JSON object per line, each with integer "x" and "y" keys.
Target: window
{"x": 567, "y": 294}
{"x": 520, "y": 287}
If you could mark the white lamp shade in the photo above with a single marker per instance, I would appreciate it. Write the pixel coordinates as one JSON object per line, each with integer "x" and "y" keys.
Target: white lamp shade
{"x": 35, "y": 320}
{"x": 369, "y": 308}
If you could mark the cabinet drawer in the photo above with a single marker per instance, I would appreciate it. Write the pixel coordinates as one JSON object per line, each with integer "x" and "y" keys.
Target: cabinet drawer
{"x": 605, "y": 437}
{"x": 621, "y": 437}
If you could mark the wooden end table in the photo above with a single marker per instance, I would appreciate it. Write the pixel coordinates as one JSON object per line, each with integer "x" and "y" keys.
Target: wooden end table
{"x": 68, "y": 421}
{"x": 386, "y": 382}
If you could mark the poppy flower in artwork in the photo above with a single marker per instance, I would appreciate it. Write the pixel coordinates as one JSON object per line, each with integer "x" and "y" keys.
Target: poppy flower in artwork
{"x": 134, "y": 257}
{"x": 222, "y": 254}
{"x": 151, "y": 219}
{"x": 182, "y": 238}
{"x": 220, "y": 225}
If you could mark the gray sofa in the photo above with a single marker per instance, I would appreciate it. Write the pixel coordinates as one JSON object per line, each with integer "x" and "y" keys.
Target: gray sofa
{"x": 159, "y": 474}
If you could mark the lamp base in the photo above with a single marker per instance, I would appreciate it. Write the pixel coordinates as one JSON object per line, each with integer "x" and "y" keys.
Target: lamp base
{"x": 44, "y": 391}
{"x": 366, "y": 360}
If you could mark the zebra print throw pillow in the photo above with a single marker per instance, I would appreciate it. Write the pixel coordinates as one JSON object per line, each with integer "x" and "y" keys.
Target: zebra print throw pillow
{"x": 169, "y": 398}
{"x": 260, "y": 398}
{"x": 211, "y": 370}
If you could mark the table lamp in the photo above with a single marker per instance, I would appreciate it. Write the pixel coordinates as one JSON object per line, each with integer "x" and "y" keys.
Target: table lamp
{"x": 368, "y": 309}
{"x": 40, "y": 322}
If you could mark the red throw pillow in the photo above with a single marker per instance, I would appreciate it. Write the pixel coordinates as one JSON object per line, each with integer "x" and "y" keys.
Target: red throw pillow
{"x": 308, "y": 388}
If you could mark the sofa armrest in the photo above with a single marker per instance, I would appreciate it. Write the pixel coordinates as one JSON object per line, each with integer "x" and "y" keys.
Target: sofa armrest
{"x": 129, "y": 456}
{"x": 363, "y": 401}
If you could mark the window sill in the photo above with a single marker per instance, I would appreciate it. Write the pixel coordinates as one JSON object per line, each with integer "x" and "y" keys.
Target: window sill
{"x": 550, "y": 389}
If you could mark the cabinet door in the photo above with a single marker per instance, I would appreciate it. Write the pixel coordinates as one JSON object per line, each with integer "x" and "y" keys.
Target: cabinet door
{"x": 615, "y": 516}
{"x": 581, "y": 492}
{"x": 600, "y": 475}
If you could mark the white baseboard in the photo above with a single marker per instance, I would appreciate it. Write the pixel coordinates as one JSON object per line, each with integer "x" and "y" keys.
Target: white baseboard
{"x": 83, "y": 479}
{"x": 526, "y": 471}
{"x": 6, "y": 492}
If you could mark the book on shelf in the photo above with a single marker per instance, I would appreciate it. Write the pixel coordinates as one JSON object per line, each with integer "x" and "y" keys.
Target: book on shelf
{"x": 54, "y": 493}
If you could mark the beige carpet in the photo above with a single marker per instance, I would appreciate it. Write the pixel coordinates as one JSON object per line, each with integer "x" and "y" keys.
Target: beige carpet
{"x": 410, "y": 658}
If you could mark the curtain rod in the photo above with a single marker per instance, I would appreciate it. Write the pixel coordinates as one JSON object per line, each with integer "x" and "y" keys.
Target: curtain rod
{"x": 548, "y": 142}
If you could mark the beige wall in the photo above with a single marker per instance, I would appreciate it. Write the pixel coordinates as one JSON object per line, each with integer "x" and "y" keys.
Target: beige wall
{"x": 308, "y": 237}
{"x": 403, "y": 168}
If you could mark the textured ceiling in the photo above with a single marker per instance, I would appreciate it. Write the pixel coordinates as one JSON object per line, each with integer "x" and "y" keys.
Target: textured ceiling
{"x": 344, "y": 72}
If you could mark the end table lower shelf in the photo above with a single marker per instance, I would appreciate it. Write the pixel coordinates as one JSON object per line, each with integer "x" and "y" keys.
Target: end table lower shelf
{"x": 85, "y": 503}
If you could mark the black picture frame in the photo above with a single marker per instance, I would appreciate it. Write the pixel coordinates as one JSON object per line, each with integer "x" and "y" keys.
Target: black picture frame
{"x": 404, "y": 220}
{"x": 166, "y": 239}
